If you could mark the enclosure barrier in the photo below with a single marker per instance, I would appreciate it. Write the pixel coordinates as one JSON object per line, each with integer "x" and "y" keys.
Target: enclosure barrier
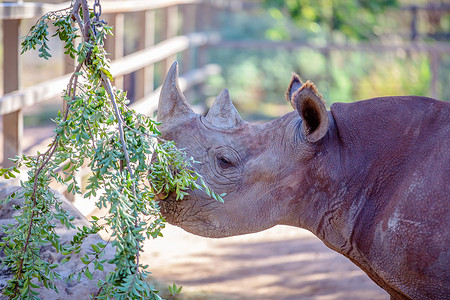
{"x": 188, "y": 41}
{"x": 196, "y": 16}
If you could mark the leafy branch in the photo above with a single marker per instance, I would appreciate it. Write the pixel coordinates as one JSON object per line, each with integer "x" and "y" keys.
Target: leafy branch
{"x": 96, "y": 129}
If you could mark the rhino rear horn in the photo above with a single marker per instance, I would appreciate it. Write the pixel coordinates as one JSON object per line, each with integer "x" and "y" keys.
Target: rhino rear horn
{"x": 222, "y": 113}
{"x": 172, "y": 103}
{"x": 311, "y": 108}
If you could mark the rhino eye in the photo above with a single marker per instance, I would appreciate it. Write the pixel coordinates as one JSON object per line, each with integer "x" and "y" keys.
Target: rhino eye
{"x": 225, "y": 162}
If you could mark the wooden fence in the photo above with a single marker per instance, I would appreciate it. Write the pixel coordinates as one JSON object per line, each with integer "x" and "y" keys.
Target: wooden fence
{"x": 158, "y": 45}
{"x": 189, "y": 41}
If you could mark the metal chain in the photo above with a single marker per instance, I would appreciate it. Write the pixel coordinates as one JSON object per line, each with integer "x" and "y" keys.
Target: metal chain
{"x": 97, "y": 13}
{"x": 97, "y": 10}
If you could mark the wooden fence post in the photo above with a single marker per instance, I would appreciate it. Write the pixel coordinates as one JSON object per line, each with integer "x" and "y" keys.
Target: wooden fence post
{"x": 434, "y": 66}
{"x": 413, "y": 26}
{"x": 188, "y": 26}
{"x": 201, "y": 25}
{"x": 114, "y": 45}
{"x": 169, "y": 30}
{"x": 12, "y": 122}
{"x": 145, "y": 76}
{"x": 203, "y": 17}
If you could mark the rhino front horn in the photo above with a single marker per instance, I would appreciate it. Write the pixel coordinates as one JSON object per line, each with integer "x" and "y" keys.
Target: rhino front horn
{"x": 172, "y": 103}
{"x": 222, "y": 113}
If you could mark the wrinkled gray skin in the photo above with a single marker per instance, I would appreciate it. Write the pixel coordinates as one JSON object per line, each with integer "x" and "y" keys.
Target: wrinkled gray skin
{"x": 370, "y": 179}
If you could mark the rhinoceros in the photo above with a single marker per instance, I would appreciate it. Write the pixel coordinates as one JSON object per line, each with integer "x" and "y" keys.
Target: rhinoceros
{"x": 371, "y": 179}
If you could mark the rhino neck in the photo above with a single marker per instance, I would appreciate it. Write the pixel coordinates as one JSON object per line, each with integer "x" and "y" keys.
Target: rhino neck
{"x": 338, "y": 190}
{"x": 367, "y": 149}
{"x": 333, "y": 200}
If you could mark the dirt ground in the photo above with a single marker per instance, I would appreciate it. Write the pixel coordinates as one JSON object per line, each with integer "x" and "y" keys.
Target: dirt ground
{"x": 281, "y": 263}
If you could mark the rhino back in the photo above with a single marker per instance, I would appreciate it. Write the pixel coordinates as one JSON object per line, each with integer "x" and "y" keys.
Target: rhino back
{"x": 398, "y": 151}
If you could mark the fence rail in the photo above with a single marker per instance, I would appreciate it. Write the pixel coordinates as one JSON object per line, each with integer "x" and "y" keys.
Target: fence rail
{"x": 46, "y": 90}
{"x": 28, "y": 10}
{"x": 140, "y": 62}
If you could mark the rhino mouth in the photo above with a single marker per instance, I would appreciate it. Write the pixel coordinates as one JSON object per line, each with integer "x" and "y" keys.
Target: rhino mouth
{"x": 170, "y": 208}
{"x": 196, "y": 217}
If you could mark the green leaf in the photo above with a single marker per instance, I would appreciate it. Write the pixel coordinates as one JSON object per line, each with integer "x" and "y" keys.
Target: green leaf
{"x": 85, "y": 260}
{"x": 70, "y": 187}
{"x": 84, "y": 135}
{"x": 96, "y": 248}
{"x": 99, "y": 266}
{"x": 35, "y": 286}
{"x": 107, "y": 73}
{"x": 88, "y": 273}
{"x": 64, "y": 260}
{"x": 174, "y": 290}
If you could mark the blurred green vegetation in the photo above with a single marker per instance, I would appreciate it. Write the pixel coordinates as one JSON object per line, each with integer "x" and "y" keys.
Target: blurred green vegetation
{"x": 354, "y": 19}
{"x": 258, "y": 78}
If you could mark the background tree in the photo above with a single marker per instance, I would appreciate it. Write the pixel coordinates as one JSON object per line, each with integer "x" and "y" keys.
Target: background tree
{"x": 257, "y": 76}
{"x": 353, "y": 19}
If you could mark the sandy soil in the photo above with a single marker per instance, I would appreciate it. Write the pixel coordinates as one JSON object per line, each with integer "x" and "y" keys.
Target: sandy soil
{"x": 280, "y": 263}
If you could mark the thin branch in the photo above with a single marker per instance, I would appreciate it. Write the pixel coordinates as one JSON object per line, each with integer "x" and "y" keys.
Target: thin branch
{"x": 87, "y": 20}
{"x": 48, "y": 16}
{"x": 73, "y": 81}
{"x": 92, "y": 136}
{"x": 75, "y": 14}
{"x": 48, "y": 154}
{"x": 99, "y": 291}
{"x": 96, "y": 256}
{"x": 107, "y": 85}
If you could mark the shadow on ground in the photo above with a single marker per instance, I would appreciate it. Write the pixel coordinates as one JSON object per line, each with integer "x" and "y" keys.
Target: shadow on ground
{"x": 280, "y": 263}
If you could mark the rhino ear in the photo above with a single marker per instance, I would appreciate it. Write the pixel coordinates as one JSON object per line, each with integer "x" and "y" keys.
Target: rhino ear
{"x": 294, "y": 86}
{"x": 309, "y": 104}
{"x": 222, "y": 113}
{"x": 172, "y": 103}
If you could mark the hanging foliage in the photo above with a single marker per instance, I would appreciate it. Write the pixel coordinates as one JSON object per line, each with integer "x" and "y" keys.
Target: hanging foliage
{"x": 96, "y": 129}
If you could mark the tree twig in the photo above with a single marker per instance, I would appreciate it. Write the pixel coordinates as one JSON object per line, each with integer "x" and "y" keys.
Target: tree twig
{"x": 108, "y": 87}
{"x": 47, "y": 155}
